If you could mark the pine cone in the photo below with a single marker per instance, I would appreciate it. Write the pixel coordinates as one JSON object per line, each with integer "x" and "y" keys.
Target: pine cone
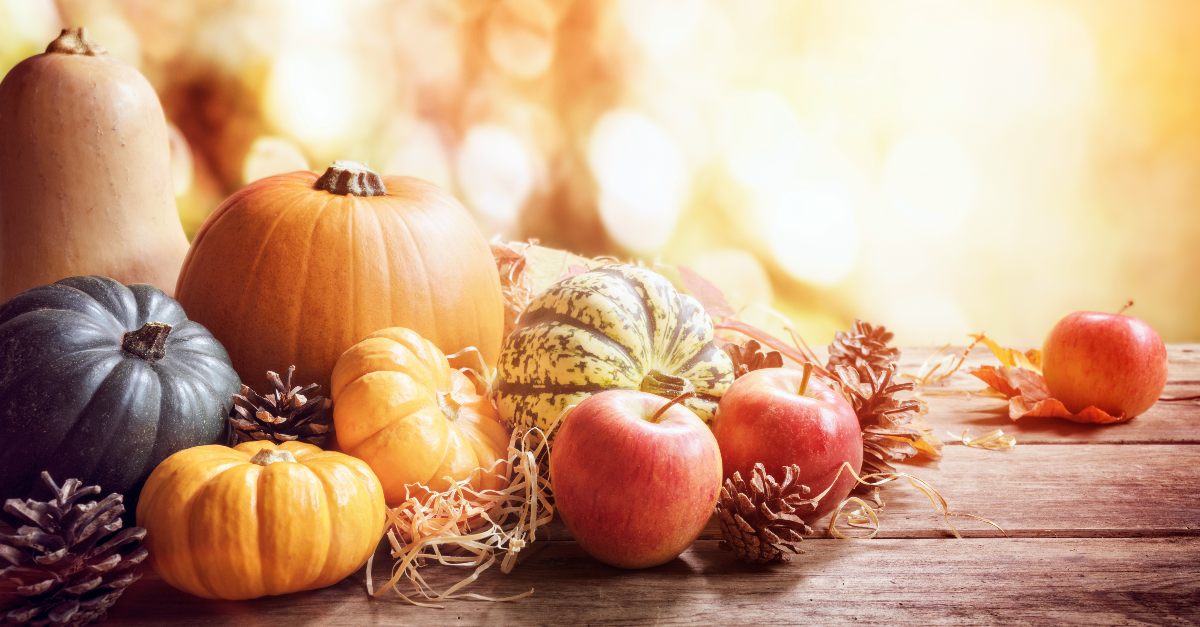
{"x": 286, "y": 414}
{"x": 863, "y": 345}
{"x": 67, "y": 560}
{"x": 888, "y": 434}
{"x": 751, "y": 356}
{"x": 760, "y": 519}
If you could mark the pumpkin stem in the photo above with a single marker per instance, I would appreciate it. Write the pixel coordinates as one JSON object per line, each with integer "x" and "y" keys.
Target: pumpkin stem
{"x": 448, "y": 406}
{"x": 675, "y": 401}
{"x": 148, "y": 342}
{"x": 666, "y": 385}
{"x": 75, "y": 41}
{"x": 268, "y": 456}
{"x": 351, "y": 178}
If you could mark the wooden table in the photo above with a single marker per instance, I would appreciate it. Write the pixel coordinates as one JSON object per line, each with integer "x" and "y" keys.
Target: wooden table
{"x": 1103, "y": 526}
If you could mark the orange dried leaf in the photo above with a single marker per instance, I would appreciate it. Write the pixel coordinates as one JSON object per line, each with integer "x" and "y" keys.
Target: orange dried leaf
{"x": 1020, "y": 380}
{"x": 1011, "y": 357}
{"x": 710, "y": 296}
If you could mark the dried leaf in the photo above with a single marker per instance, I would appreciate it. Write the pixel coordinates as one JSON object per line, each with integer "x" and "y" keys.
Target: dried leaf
{"x": 710, "y": 296}
{"x": 1011, "y": 357}
{"x": 1020, "y": 380}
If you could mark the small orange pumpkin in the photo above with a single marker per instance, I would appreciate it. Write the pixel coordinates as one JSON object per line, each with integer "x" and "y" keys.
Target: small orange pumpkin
{"x": 400, "y": 407}
{"x": 294, "y": 268}
{"x": 260, "y": 519}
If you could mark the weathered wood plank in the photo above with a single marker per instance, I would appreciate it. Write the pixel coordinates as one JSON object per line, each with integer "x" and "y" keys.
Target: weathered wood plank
{"x": 917, "y": 582}
{"x": 959, "y": 405}
{"x": 1051, "y": 490}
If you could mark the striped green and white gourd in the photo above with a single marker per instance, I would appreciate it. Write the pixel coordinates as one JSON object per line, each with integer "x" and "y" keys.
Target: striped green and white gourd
{"x": 616, "y": 327}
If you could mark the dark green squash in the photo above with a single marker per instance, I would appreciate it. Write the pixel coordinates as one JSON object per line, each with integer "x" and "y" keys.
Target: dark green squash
{"x": 102, "y": 381}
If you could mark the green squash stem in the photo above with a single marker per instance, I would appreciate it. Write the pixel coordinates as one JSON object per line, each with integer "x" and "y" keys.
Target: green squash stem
{"x": 666, "y": 385}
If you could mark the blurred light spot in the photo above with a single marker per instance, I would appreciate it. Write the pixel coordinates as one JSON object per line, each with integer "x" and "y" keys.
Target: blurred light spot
{"x": 923, "y": 314}
{"x": 737, "y": 273}
{"x": 520, "y": 37}
{"x": 761, "y": 139}
{"x": 809, "y": 228}
{"x": 495, "y": 173}
{"x": 642, "y": 177}
{"x": 929, "y": 184}
{"x": 112, "y": 32}
{"x": 661, "y": 27}
{"x": 313, "y": 95}
{"x": 34, "y": 20}
{"x": 271, "y": 155}
{"x": 421, "y": 153}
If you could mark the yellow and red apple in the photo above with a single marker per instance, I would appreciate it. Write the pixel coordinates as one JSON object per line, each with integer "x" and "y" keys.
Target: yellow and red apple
{"x": 779, "y": 417}
{"x": 635, "y": 477}
{"x": 1114, "y": 362}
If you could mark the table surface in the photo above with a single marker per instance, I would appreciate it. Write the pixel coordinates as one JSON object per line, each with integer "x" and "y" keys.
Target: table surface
{"x": 1102, "y": 527}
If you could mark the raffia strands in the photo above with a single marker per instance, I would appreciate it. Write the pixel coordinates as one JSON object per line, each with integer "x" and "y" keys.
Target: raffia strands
{"x": 994, "y": 440}
{"x": 467, "y": 528}
{"x": 866, "y": 515}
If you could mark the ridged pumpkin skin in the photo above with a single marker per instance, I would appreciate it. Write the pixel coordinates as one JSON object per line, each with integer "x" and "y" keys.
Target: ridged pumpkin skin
{"x": 284, "y": 273}
{"x": 616, "y": 327}
{"x": 399, "y": 406}
{"x": 222, "y": 526}
{"x": 85, "y": 174}
{"x": 75, "y": 401}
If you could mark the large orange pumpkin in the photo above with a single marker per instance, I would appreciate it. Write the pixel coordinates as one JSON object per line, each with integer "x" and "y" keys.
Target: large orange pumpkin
{"x": 295, "y": 268}
{"x": 400, "y": 407}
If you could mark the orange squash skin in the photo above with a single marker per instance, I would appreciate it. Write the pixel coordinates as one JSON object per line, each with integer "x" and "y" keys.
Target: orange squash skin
{"x": 221, "y": 527}
{"x": 85, "y": 176}
{"x": 399, "y": 406}
{"x": 283, "y": 273}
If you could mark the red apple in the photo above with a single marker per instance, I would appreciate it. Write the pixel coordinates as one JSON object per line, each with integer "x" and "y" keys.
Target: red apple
{"x": 775, "y": 417}
{"x": 1115, "y": 362}
{"x": 635, "y": 477}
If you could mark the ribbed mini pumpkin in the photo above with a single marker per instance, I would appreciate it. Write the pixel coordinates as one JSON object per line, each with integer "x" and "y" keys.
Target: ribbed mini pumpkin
{"x": 260, "y": 519}
{"x": 399, "y": 406}
{"x": 616, "y": 327}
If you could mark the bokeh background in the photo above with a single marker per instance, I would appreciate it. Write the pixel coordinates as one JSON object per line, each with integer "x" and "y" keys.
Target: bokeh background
{"x": 938, "y": 167}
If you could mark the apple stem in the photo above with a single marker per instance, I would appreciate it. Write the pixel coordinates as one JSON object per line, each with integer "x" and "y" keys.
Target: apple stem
{"x": 808, "y": 368}
{"x": 662, "y": 410}
{"x": 1128, "y": 304}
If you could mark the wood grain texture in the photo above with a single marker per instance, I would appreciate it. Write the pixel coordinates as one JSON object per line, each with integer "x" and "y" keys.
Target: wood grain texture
{"x": 1103, "y": 528}
{"x": 907, "y": 582}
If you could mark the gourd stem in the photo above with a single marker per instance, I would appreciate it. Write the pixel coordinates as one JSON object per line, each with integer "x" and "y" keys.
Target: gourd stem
{"x": 148, "y": 342}
{"x": 808, "y": 368}
{"x": 351, "y": 178}
{"x": 666, "y": 385}
{"x": 75, "y": 40}
{"x": 662, "y": 410}
{"x": 268, "y": 456}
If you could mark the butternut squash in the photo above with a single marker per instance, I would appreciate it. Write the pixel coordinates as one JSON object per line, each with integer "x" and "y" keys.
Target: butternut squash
{"x": 85, "y": 174}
